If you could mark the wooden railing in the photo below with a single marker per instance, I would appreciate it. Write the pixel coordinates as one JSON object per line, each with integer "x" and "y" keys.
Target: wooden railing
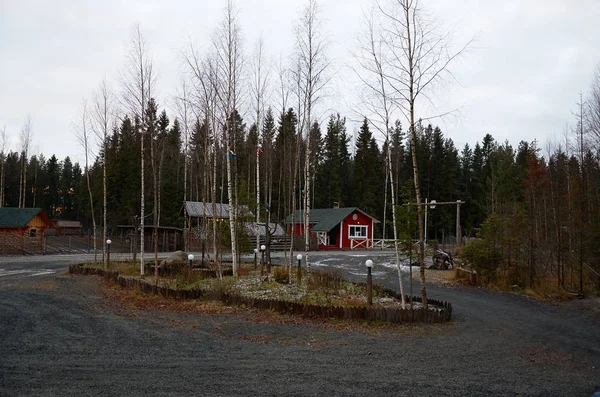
{"x": 383, "y": 243}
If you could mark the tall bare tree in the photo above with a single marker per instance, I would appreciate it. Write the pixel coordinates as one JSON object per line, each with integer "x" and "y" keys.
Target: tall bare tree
{"x": 152, "y": 133}
{"x": 103, "y": 118}
{"x": 84, "y": 136}
{"x": 229, "y": 52}
{"x": 419, "y": 59}
{"x": 593, "y": 108}
{"x": 312, "y": 66}
{"x": 138, "y": 82}
{"x": 377, "y": 102}
{"x": 258, "y": 89}
{"x": 3, "y": 150}
{"x": 25, "y": 141}
{"x": 184, "y": 111}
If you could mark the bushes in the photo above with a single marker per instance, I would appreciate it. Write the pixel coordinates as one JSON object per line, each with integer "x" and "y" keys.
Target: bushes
{"x": 325, "y": 281}
{"x": 485, "y": 252}
{"x": 281, "y": 275}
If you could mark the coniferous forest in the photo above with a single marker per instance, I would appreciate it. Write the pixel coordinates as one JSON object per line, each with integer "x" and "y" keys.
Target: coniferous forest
{"x": 531, "y": 214}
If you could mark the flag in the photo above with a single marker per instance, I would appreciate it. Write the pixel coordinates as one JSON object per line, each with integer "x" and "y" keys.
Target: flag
{"x": 258, "y": 152}
{"x": 231, "y": 155}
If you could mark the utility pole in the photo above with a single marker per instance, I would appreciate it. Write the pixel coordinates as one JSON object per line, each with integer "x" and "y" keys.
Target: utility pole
{"x": 432, "y": 204}
{"x": 582, "y": 197}
{"x": 256, "y": 227}
{"x": 458, "y": 228}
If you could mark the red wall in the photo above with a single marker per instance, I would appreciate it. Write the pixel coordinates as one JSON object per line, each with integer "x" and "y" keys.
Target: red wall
{"x": 361, "y": 220}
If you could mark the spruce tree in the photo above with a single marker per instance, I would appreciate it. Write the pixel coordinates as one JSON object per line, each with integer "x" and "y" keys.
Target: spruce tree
{"x": 367, "y": 178}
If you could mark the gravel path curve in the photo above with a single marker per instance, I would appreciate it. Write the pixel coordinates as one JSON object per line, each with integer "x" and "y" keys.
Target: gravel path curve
{"x": 60, "y": 337}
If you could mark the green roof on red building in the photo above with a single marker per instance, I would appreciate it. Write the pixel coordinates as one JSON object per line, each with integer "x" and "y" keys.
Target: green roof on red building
{"x": 325, "y": 219}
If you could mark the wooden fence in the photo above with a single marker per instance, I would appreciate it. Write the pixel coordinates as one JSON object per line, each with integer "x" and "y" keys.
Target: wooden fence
{"x": 438, "y": 312}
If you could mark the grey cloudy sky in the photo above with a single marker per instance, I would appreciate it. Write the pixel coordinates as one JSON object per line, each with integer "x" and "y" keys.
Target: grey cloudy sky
{"x": 520, "y": 79}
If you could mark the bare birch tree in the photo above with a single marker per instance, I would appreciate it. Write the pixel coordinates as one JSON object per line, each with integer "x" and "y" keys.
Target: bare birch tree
{"x": 84, "y": 136}
{"x": 3, "y": 153}
{"x": 152, "y": 133}
{"x": 377, "y": 102}
{"x": 206, "y": 100}
{"x": 418, "y": 60}
{"x": 102, "y": 120}
{"x": 283, "y": 90}
{"x": 258, "y": 89}
{"x": 137, "y": 82}
{"x": 25, "y": 141}
{"x": 294, "y": 171}
{"x": 593, "y": 108}
{"x": 228, "y": 46}
{"x": 183, "y": 104}
{"x": 312, "y": 65}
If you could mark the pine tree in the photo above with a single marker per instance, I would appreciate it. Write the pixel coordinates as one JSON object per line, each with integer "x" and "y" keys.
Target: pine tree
{"x": 284, "y": 160}
{"x": 67, "y": 190}
{"x": 52, "y": 199}
{"x": 334, "y": 170}
{"x": 367, "y": 169}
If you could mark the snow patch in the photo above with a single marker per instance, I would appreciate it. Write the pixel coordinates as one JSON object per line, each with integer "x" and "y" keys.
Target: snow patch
{"x": 392, "y": 265}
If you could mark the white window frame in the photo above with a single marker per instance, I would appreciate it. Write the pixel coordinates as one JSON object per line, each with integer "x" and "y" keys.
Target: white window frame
{"x": 361, "y": 236}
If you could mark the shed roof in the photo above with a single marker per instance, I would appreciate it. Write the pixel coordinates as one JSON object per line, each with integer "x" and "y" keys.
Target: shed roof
{"x": 325, "y": 219}
{"x": 73, "y": 224}
{"x": 199, "y": 209}
{"x": 20, "y": 217}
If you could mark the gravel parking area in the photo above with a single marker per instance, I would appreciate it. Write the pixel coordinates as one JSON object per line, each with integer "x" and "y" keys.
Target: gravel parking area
{"x": 59, "y": 336}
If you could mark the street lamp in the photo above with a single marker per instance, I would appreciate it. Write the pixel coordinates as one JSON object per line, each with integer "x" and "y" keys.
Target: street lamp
{"x": 255, "y": 254}
{"x": 299, "y": 257}
{"x": 190, "y": 259}
{"x": 369, "y": 264}
{"x": 432, "y": 206}
{"x": 108, "y": 242}
{"x": 262, "y": 260}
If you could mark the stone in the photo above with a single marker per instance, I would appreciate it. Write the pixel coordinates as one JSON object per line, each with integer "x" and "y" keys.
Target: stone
{"x": 174, "y": 262}
{"x": 442, "y": 260}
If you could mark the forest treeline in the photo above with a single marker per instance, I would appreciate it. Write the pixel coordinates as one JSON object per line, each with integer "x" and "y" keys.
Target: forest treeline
{"x": 246, "y": 133}
{"x": 539, "y": 211}
{"x": 518, "y": 187}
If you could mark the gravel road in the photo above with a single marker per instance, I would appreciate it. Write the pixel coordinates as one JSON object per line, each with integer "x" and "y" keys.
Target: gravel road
{"x": 60, "y": 337}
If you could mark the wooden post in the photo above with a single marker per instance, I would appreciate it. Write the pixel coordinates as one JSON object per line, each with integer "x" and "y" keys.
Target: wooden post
{"x": 458, "y": 230}
{"x": 369, "y": 287}
{"x": 135, "y": 237}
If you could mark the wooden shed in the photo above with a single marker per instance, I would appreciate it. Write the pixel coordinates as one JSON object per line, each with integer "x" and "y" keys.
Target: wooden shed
{"x": 64, "y": 228}
{"x": 22, "y": 230}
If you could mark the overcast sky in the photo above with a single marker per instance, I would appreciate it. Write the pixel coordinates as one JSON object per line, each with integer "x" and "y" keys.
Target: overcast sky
{"x": 520, "y": 79}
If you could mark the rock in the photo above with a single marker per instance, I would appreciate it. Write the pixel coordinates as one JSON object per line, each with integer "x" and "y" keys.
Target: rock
{"x": 442, "y": 260}
{"x": 174, "y": 262}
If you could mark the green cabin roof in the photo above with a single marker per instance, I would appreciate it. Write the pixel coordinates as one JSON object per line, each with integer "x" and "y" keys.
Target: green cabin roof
{"x": 17, "y": 217}
{"x": 325, "y": 219}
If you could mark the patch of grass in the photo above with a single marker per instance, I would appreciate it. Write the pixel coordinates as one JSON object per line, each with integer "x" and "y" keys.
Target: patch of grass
{"x": 281, "y": 275}
{"x": 317, "y": 288}
{"x": 544, "y": 288}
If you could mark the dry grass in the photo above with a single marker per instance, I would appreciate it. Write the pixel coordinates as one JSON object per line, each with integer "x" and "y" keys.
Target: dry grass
{"x": 439, "y": 276}
{"x": 544, "y": 288}
{"x": 130, "y": 301}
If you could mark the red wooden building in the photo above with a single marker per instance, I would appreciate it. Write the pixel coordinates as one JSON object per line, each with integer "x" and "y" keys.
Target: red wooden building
{"x": 336, "y": 228}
